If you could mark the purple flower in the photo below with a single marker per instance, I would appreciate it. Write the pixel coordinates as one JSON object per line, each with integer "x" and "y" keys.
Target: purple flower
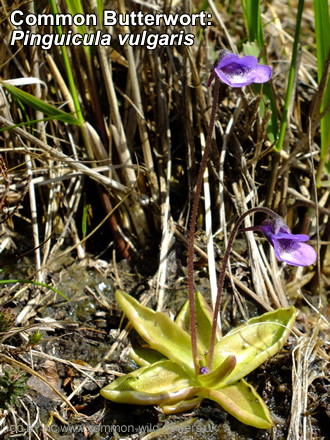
{"x": 288, "y": 247}
{"x": 204, "y": 370}
{"x": 239, "y": 72}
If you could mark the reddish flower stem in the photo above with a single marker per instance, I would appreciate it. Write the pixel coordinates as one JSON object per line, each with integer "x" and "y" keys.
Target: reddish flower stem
{"x": 223, "y": 273}
{"x": 199, "y": 182}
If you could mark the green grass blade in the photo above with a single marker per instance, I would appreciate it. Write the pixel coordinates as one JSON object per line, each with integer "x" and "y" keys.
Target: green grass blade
{"x": 28, "y": 123}
{"x": 36, "y": 283}
{"x": 292, "y": 73}
{"x": 84, "y": 220}
{"x": 75, "y": 7}
{"x": 251, "y": 9}
{"x": 322, "y": 32}
{"x": 39, "y": 104}
{"x": 99, "y": 4}
{"x": 252, "y": 15}
{"x": 68, "y": 69}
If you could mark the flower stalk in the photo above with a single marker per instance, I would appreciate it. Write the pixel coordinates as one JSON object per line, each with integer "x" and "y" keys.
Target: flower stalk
{"x": 223, "y": 274}
{"x": 235, "y": 72}
{"x": 193, "y": 217}
{"x": 288, "y": 247}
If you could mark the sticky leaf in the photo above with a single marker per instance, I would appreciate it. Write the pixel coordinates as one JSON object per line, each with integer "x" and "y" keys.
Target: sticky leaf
{"x": 204, "y": 319}
{"x": 145, "y": 356}
{"x": 158, "y": 330}
{"x": 162, "y": 383}
{"x": 172, "y": 383}
{"x": 255, "y": 341}
{"x": 217, "y": 376}
{"x": 243, "y": 402}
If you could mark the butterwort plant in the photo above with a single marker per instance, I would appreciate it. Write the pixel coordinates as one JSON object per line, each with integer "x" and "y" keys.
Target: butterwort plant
{"x": 184, "y": 363}
{"x": 167, "y": 376}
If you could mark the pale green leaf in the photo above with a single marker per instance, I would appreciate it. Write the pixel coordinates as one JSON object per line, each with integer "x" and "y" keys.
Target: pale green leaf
{"x": 184, "y": 405}
{"x": 162, "y": 383}
{"x": 145, "y": 356}
{"x": 254, "y": 342}
{"x": 218, "y": 375}
{"x": 243, "y": 402}
{"x": 204, "y": 319}
{"x": 158, "y": 330}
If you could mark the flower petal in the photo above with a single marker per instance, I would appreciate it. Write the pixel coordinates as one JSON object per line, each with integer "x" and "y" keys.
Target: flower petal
{"x": 228, "y": 58}
{"x": 234, "y": 75}
{"x": 237, "y": 74}
{"x": 287, "y": 246}
{"x": 294, "y": 252}
{"x": 294, "y": 237}
{"x": 248, "y": 60}
{"x": 262, "y": 73}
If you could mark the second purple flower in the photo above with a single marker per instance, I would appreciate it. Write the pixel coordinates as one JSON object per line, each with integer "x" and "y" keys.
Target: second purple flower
{"x": 290, "y": 248}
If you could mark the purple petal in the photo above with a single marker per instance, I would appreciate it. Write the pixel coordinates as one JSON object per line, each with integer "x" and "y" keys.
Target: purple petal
{"x": 228, "y": 58}
{"x": 279, "y": 225}
{"x": 234, "y": 74}
{"x": 262, "y": 73}
{"x": 267, "y": 230}
{"x": 274, "y": 226}
{"x": 248, "y": 60}
{"x": 288, "y": 247}
{"x": 294, "y": 237}
{"x": 278, "y": 228}
{"x": 294, "y": 252}
{"x": 237, "y": 74}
